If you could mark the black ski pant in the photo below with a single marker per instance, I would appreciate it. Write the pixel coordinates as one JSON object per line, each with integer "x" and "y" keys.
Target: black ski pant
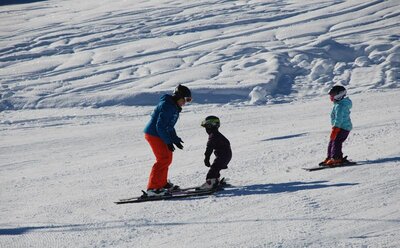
{"x": 216, "y": 167}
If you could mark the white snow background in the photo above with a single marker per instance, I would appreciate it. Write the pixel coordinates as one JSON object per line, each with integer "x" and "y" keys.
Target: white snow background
{"x": 80, "y": 78}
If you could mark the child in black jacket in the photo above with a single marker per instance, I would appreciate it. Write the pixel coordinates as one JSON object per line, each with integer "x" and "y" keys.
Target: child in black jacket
{"x": 221, "y": 147}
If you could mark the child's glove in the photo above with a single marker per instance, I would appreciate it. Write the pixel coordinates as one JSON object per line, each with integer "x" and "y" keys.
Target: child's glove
{"x": 171, "y": 147}
{"x": 207, "y": 162}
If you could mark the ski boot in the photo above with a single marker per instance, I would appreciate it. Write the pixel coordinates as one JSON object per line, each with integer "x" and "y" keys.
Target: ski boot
{"x": 156, "y": 193}
{"x": 210, "y": 184}
{"x": 324, "y": 162}
{"x": 337, "y": 162}
{"x": 172, "y": 187}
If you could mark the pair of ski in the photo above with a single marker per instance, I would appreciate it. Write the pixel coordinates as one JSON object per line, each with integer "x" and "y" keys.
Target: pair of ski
{"x": 181, "y": 193}
{"x": 323, "y": 166}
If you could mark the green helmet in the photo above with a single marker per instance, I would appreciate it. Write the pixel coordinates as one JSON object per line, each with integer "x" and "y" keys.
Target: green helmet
{"x": 211, "y": 122}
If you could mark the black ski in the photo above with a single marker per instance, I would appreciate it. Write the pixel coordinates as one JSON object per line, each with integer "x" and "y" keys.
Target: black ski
{"x": 323, "y": 166}
{"x": 222, "y": 183}
{"x": 174, "y": 195}
{"x": 182, "y": 193}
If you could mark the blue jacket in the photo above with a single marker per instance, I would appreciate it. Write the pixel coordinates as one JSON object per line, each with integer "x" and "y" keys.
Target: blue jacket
{"x": 340, "y": 115}
{"x": 163, "y": 120}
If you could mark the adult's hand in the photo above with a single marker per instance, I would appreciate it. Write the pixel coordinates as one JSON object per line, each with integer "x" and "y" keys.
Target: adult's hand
{"x": 171, "y": 147}
{"x": 178, "y": 143}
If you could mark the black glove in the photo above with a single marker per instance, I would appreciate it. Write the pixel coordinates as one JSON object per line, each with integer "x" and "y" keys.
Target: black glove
{"x": 171, "y": 147}
{"x": 178, "y": 143}
{"x": 207, "y": 162}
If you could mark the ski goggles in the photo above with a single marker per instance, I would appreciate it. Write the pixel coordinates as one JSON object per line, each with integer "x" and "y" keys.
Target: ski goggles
{"x": 188, "y": 99}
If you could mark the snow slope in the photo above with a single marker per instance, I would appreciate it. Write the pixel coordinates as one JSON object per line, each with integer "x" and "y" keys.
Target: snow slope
{"x": 62, "y": 169}
{"x": 80, "y": 78}
{"x": 70, "y": 54}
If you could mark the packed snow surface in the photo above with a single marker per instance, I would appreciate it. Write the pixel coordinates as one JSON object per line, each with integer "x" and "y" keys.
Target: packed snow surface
{"x": 79, "y": 80}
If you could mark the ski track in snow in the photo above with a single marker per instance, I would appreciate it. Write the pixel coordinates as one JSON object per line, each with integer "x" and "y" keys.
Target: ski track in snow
{"x": 73, "y": 54}
{"x": 70, "y": 146}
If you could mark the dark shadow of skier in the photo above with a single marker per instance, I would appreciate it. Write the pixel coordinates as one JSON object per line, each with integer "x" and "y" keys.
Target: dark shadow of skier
{"x": 261, "y": 189}
{"x": 381, "y": 160}
{"x": 12, "y": 2}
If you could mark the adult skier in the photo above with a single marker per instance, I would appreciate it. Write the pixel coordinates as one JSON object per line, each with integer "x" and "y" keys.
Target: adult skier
{"x": 161, "y": 135}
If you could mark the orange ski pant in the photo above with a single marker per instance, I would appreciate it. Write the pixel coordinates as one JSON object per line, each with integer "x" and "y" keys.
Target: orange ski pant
{"x": 159, "y": 171}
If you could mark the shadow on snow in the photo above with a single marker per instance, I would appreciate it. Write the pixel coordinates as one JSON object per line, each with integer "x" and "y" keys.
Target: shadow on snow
{"x": 260, "y": 189}
{"x": 11, "y": 2}
{"x": 256, "y": 189}
{"x": 246, "y": 190}
{"x": 285, "y": 137}
{"x": 134, "y": 223}
{"x": 381, "y": 160}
